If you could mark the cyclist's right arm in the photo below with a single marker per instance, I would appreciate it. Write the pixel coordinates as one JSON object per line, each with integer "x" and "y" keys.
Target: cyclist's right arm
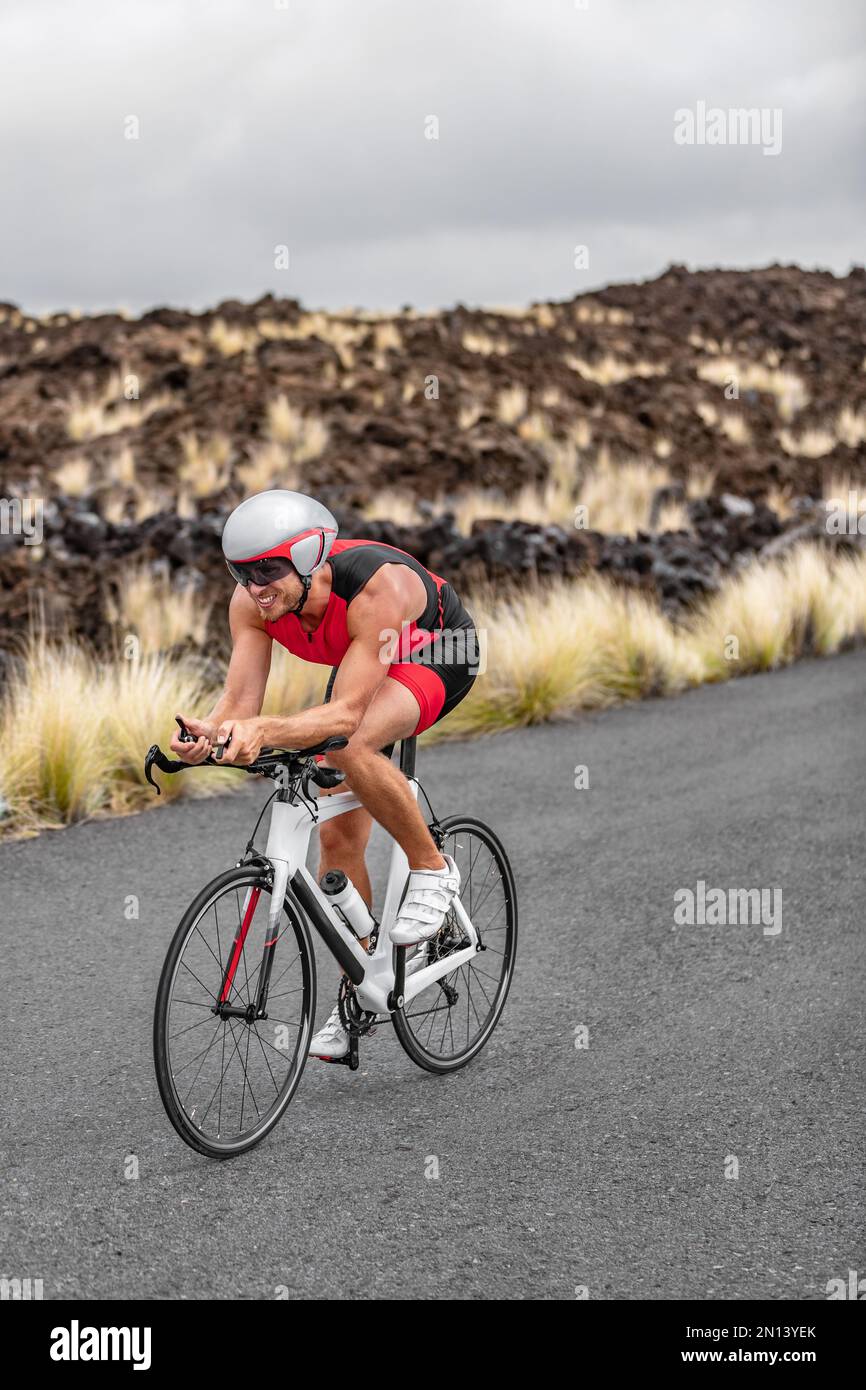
{"x": 246, "y": 679}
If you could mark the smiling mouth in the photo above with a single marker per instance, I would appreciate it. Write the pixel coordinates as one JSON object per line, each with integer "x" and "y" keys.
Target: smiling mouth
{"x": 266, "y": 602}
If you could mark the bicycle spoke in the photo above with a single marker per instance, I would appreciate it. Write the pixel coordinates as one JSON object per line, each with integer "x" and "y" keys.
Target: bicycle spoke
{"x": 490, "y": 891}
{"x": 267, "y": 1061}
{"x": 469, "y": 997}
{"x": 478, "y": 971}
{"x": 289, "y": 1022}
{"x": 190, "y": 1028}
{"x": 210, "y": 948}
{"x": 219, "y": 1085}
{"x": 220, "y": 1111}
{"x": 203, "y": 1052}
{"x": 297, "y": 956}
{"x": 243, "y": 1088}
{"x": 234, "y": 989}
{"x": 198, "y": 981}
{"x": 228, "y": 1082}
{"x": 203, "y": 1056}
{"x": 477, "y": 974}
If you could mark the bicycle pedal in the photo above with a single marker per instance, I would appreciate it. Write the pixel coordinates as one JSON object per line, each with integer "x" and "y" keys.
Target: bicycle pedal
{"x": 350, "y": 1059}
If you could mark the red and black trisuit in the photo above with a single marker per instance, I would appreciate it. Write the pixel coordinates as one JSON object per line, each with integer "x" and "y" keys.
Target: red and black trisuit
{"x": 436, "y": 666}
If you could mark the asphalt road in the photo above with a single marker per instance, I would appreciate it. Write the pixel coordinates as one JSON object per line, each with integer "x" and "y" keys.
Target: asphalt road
{"x": 561, "y": 1168}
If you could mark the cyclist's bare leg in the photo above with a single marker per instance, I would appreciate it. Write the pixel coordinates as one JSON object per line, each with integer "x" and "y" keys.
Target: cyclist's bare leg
{"x": 392, "y": 714}
{"x": 343, "y": 845}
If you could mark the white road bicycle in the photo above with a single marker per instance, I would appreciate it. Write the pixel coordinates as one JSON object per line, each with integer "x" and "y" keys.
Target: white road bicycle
{"x": 236, "y": 1003}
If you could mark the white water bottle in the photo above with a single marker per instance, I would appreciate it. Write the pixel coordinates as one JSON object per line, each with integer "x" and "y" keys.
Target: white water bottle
{"x": 342, "y": 892}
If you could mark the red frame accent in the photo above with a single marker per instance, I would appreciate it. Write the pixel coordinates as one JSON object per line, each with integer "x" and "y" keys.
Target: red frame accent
{"x": 239, "y": 944}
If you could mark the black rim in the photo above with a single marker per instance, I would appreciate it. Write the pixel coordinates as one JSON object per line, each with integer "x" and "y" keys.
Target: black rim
{"x": 231, "y": 1076}
{"x": 454, "y": 1016}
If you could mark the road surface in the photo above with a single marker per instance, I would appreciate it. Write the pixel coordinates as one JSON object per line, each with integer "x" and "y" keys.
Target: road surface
{"x": 706, "y": 1142}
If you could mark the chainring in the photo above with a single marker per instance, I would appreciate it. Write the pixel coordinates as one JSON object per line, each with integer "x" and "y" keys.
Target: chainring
{"x": 355, "y": 1020}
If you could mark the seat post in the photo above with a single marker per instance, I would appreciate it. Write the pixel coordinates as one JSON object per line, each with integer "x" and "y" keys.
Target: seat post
{"x": 407, "y": 756}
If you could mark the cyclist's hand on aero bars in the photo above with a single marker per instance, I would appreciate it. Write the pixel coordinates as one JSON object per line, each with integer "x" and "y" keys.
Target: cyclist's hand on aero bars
{"x": 241, "y": 740}
{"x": 193, "y": 752}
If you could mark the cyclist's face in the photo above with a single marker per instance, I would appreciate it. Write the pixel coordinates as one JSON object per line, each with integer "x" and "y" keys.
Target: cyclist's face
{"x": 279, "y": 597}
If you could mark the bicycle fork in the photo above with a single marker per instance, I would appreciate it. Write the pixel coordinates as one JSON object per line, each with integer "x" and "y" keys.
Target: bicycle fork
{"x": 254, "y": 1011}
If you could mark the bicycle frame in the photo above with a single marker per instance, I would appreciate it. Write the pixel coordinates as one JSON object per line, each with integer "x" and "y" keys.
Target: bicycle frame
{"x": 373, "y": 975}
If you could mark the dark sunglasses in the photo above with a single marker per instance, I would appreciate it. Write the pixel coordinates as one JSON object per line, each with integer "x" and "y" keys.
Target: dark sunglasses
{"x": 261, "y": 572}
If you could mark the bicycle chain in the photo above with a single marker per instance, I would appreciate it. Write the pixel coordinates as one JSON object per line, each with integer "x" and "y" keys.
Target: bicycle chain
{"x": 356, "y": 1021}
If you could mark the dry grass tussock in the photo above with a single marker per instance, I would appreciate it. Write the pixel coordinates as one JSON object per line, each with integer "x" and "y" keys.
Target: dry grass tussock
{"x": 605, "y": 496}
{"x": 849, "y": 427}
{"x": 786, "y": 387}
{"x": 109, "y": 411}
{"x": 475, "y": 341}
{"x": 75, "y": 731}
{"x": 576, "y": 646}
{"x": 809, "y": 603}
{"x": 232, "y": 339}
{"x": 550, "y": 653}
{"x": 158, "y": 614}
{"x": 610, "y": 370}
{"x": 341, "y": 334}
{"x": 304, "y": 436}
{"x": 587, "y": 311}
{"x": 206, "y": 465}
{"x": 730, "y": 423}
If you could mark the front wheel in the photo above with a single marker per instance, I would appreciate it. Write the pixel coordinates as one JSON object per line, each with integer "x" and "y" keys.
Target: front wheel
{"x": 446, "y": 1025}
{"x": 227, "y": 1069}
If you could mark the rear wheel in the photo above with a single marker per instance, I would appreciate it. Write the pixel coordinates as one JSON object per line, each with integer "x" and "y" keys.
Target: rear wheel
{"x": 446, "y": 1025}
{"x": 225, "y": 1080}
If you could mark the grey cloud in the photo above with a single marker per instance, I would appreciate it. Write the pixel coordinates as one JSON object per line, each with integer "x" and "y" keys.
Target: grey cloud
{"x": 305, "y": 126}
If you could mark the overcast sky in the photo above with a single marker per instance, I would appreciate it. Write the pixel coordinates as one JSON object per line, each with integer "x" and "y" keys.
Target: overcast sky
{"x": 302, "y": 123}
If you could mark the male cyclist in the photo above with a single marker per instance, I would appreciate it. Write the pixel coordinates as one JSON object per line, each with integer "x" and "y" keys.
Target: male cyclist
{"x": 385, "y": 624}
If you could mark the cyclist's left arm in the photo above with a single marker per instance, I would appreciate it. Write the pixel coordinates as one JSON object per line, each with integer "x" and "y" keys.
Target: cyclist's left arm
{"x": 374, "y": 617}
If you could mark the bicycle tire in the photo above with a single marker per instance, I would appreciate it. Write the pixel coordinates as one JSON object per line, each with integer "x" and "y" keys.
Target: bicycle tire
{"x": 183, "y": 1122}
{"x": 405, "y": 1020}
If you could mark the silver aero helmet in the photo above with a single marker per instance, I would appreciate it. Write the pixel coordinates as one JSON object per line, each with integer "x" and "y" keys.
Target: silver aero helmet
{"x": 274, "y": 532}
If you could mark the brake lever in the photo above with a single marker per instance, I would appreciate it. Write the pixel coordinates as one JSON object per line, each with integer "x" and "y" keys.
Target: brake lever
{"x": 327, "y": 776}
{"x": 149, "y": 760}
{"x": 155, "y": 757}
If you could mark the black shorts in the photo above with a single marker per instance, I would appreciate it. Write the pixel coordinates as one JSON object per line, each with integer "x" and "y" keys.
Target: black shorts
{"x": 439, "y": 675}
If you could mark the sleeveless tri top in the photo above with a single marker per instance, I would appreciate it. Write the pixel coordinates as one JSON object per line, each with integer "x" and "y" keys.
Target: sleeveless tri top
{"x": 353, "y": 564}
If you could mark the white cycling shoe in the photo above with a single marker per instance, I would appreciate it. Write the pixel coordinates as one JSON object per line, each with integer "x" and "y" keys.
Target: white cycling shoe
{"x": 429, "y": 895}
{"x": 332, "y": 1041}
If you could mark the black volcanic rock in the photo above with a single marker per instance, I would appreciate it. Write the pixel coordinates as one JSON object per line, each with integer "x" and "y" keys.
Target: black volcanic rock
{"x": 369, "y": 389}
